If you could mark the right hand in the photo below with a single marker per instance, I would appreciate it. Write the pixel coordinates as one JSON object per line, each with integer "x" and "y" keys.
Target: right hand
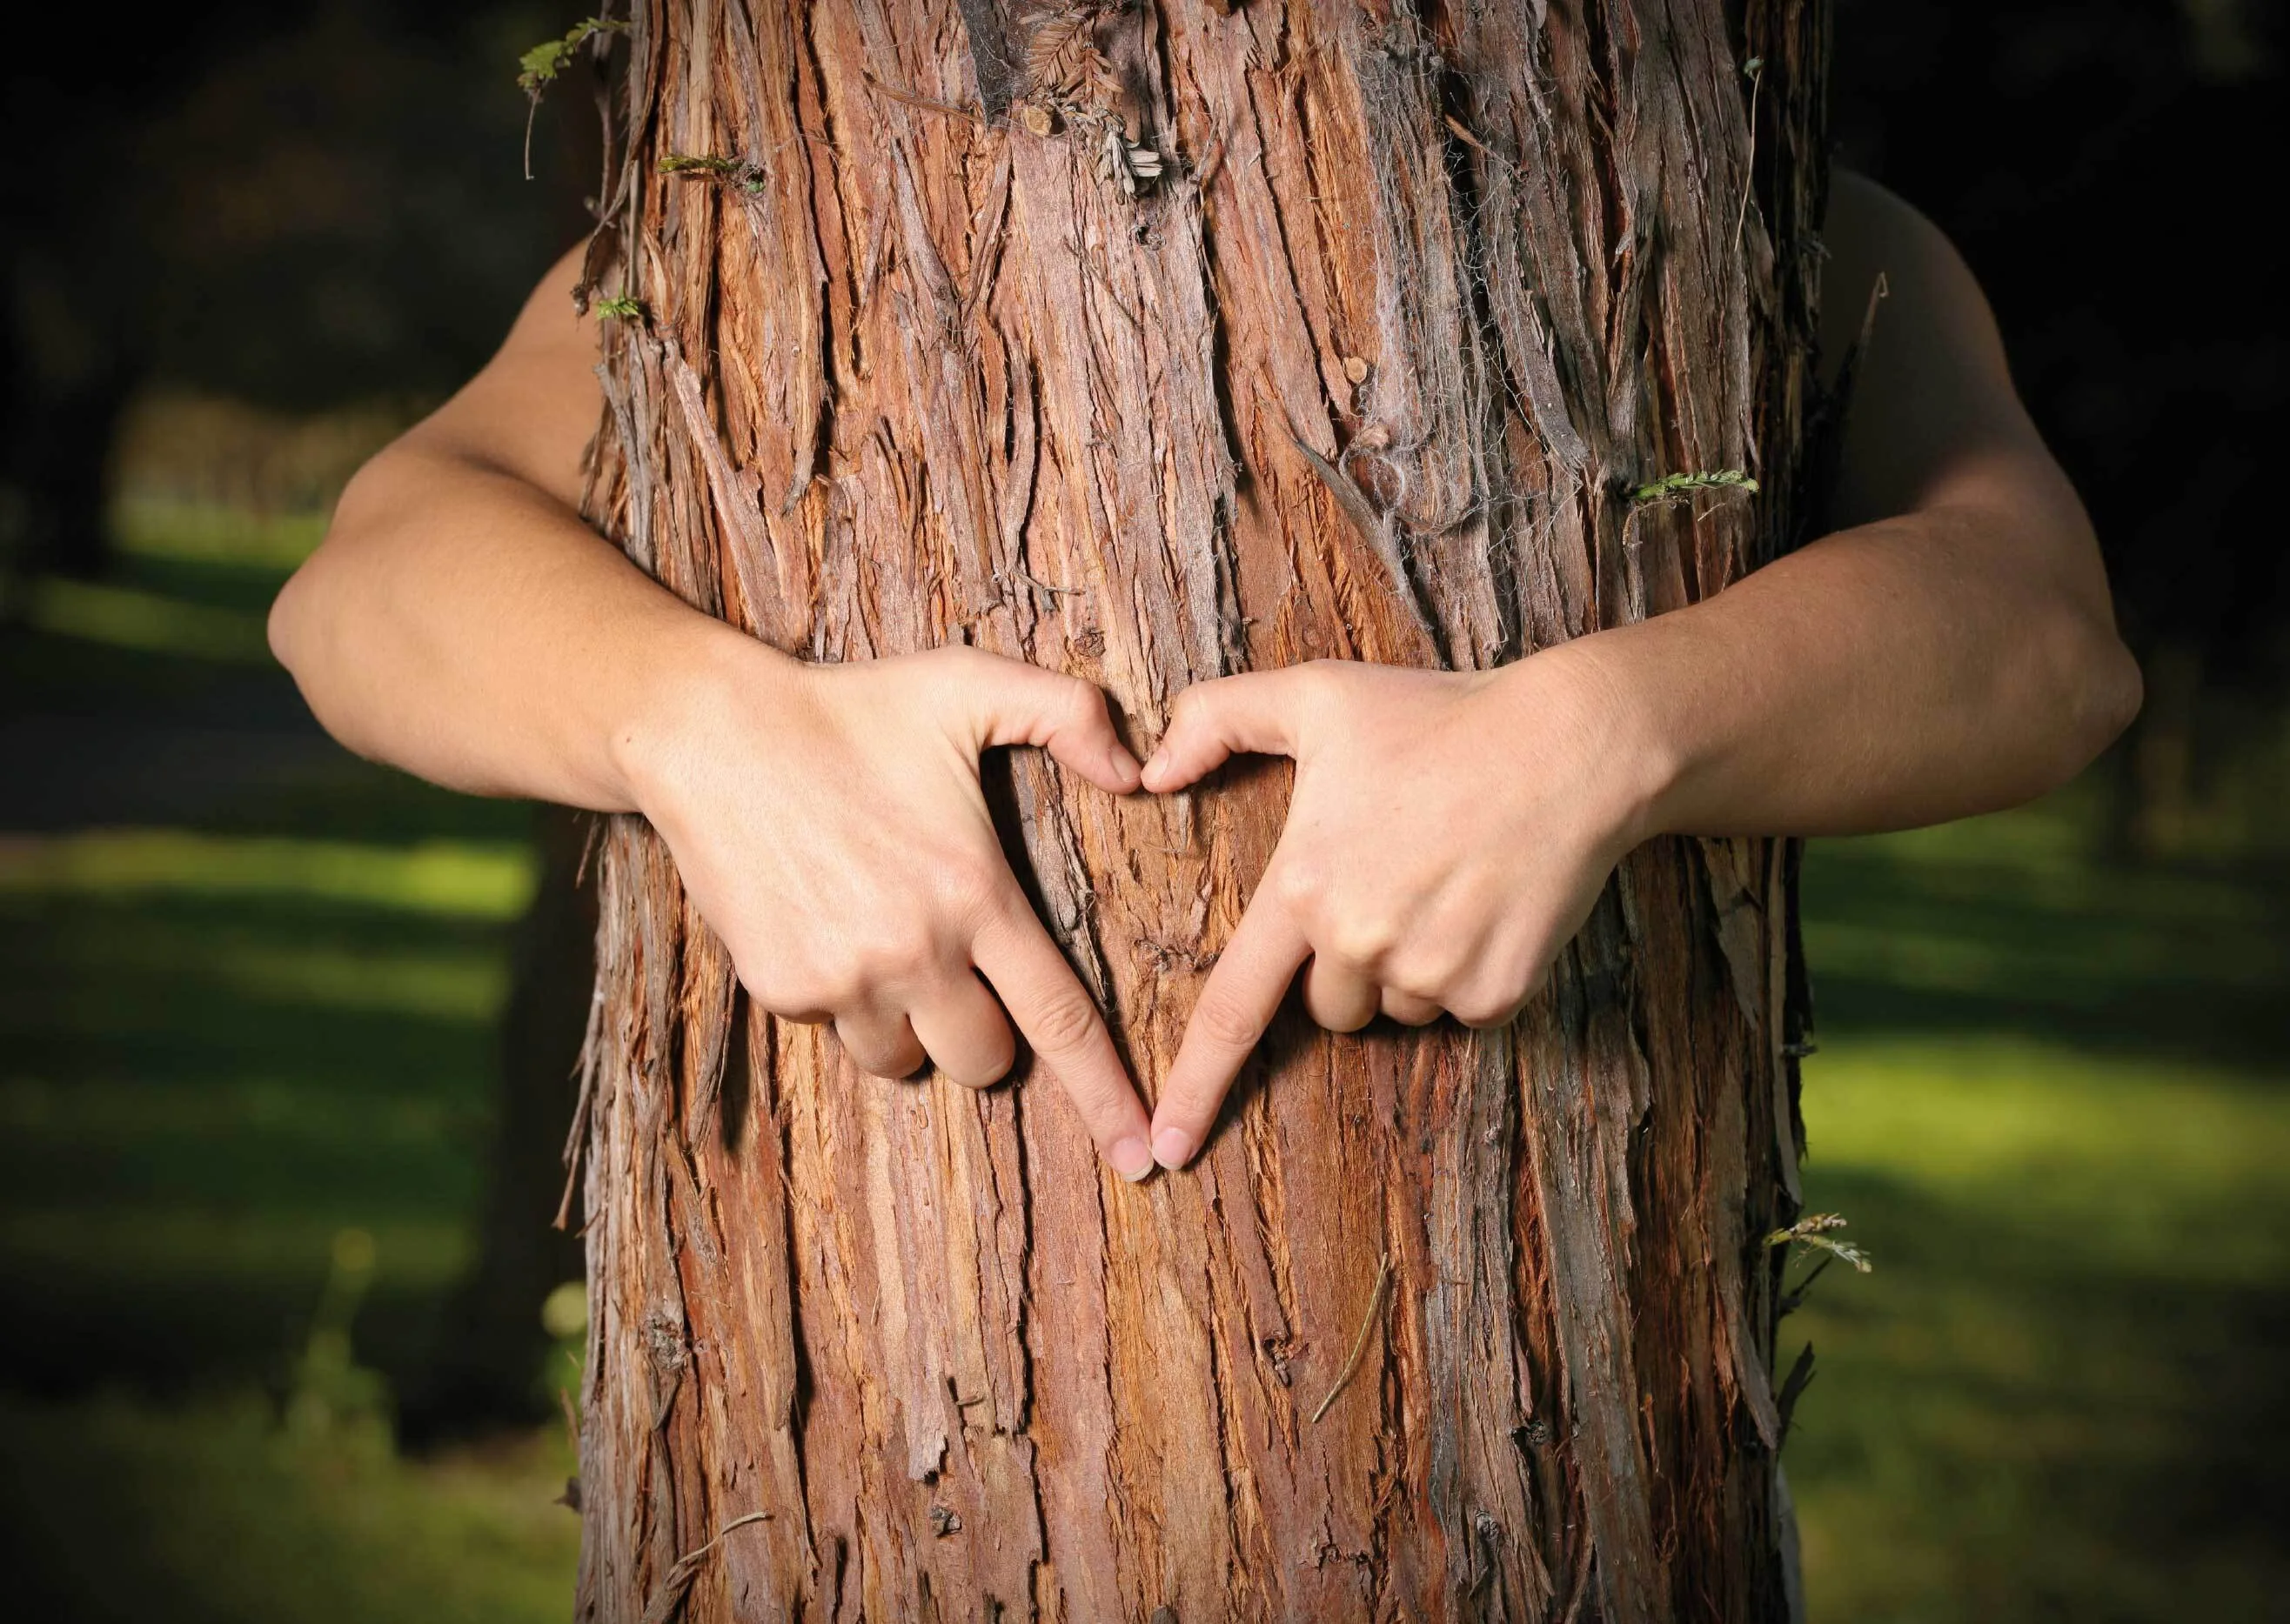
{"x": 829, "y": 823}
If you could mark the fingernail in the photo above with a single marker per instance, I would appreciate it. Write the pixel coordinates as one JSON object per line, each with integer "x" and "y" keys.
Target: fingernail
{"x": 1172, "y": 1148}
{"x": 1131, "y": 1159}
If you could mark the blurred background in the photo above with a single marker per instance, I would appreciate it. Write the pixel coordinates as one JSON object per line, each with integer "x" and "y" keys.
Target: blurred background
{"x": 282, "y": 1328}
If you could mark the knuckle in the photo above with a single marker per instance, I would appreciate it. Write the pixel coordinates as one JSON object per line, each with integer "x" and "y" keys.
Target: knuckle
{"x": 1095, "y": 1093}
{"x": 972, "y": 888}
{"x": 1301, "y": 884}
{"x": 1226, "y": 1024}
{"x": 1481, "y": 1009}
{"x": 1414, "y": 984}
{"x": 875, "y": 965}
{"x": 956, "y": 671}
{"x": 779, "y": 989}
{"x": 1063, "y": 1022}
{"x": 1081, "y": 703}
{"x": 1360, "y": 938}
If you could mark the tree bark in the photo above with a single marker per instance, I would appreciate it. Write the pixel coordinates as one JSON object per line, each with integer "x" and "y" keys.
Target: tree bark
{"x": 1370, "y": 368}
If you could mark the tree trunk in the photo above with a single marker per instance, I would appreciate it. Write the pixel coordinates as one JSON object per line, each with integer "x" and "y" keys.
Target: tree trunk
{"x": 928, "y": 352}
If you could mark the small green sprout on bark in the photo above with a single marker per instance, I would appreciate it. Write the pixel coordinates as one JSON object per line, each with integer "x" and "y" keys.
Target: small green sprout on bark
{"x": 1678, "y": 487}
{"x": 1814, "y": 1229}
{"x": 709, "y": 166}
{"x": 619, "y": 307}
{"x": 538, "y": 67}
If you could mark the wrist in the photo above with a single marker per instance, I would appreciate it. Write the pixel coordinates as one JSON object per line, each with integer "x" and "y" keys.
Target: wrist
{"x": 1601, "y": 691}
{"x": 689, "y": 689}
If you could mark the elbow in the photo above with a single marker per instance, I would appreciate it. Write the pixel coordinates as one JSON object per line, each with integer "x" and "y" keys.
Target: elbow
{"x": 289, "y": 623}
{"x": 303, "y": 623}
{"x": 2100, "y": 692}
{"x": 2122, "y": 690}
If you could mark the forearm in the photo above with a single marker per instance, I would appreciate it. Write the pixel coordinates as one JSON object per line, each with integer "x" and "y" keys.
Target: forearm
{"x": 1917, "y": 669}
{"x": 466, "y": 626}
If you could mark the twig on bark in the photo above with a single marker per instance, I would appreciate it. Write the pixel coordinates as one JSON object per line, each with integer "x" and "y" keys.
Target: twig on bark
{"x": 570, "y": 1498}
{"x": 1359, "y": 1342}
{"x": 924, "y": 102}
{"x": 1791, "y": 1302}
{"x": 1800, "y": 1377}
{"x": 670, "y": 1594}
{"x": 1578, "y": 1588}
{"x": 1047, "y": 588}
{"x": 1211, "y": 162}
{"x": 1463, "y": 135}
{"x": 538, "y": 67}
{"x": 1756, "y": 69}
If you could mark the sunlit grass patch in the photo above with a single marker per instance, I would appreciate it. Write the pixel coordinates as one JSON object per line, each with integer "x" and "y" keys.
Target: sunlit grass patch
{"x": 2050, "y": 1399}
{"x": 2135, "y": 1165}
{"x": 458, "y": 878}
{"x": 130, "y": 618}
{"x": 146, "y": 525}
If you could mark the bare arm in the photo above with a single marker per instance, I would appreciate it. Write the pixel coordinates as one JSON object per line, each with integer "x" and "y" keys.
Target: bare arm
{"x": 1952, "y": 652}
{"x": 460, "y": 620}
{"x": 396, "y": 628}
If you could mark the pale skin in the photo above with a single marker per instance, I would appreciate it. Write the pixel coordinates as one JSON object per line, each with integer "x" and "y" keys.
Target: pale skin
{"x": 1953, "y": 651}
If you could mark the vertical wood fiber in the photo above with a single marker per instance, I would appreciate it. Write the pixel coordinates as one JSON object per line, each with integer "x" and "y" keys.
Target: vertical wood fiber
{"x": 919, "y": 373}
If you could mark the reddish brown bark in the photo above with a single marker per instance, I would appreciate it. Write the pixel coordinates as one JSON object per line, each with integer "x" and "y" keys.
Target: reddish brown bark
{"x": 1367, "y": 370}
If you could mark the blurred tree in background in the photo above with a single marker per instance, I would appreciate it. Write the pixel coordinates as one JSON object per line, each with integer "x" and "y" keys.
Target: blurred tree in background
{"x": 294, "y": 206}
{"x": 247, "y": 242}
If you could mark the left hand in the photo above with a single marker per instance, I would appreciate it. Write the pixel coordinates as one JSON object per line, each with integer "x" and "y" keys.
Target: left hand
{"x": 1447, "y": 835}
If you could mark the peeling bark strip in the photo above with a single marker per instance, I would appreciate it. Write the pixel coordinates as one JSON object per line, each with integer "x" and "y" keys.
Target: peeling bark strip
{"x": 1360, "y": 358}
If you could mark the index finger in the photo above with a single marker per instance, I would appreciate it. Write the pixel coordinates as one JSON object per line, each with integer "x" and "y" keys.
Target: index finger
{"x": 1049, "y": 1005}
{"x": 1237, "y": 1004}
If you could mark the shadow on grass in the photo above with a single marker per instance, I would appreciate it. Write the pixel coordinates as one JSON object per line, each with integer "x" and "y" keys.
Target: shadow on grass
{"x": 2191, "y": 965}
{"x": 199, "y": 1094}
{"x": 2007, "y": 1426}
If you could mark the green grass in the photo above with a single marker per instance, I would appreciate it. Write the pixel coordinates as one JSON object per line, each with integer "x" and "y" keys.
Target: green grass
{"x": 222, "y": 1047}
{"x": 2056, "y": 1395}
{"x": 2051, "y": 1100}
{"x": 207, "y": 1512}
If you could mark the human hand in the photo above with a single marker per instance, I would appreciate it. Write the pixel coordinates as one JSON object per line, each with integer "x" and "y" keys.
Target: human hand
{"x": 1447, "y": 835}
{"x": 829, "y": 823}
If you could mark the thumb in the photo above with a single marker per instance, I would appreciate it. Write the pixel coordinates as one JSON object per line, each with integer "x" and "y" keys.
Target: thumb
{"x": 1019, "y": 703}
{"x": 1212, "y": 720}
